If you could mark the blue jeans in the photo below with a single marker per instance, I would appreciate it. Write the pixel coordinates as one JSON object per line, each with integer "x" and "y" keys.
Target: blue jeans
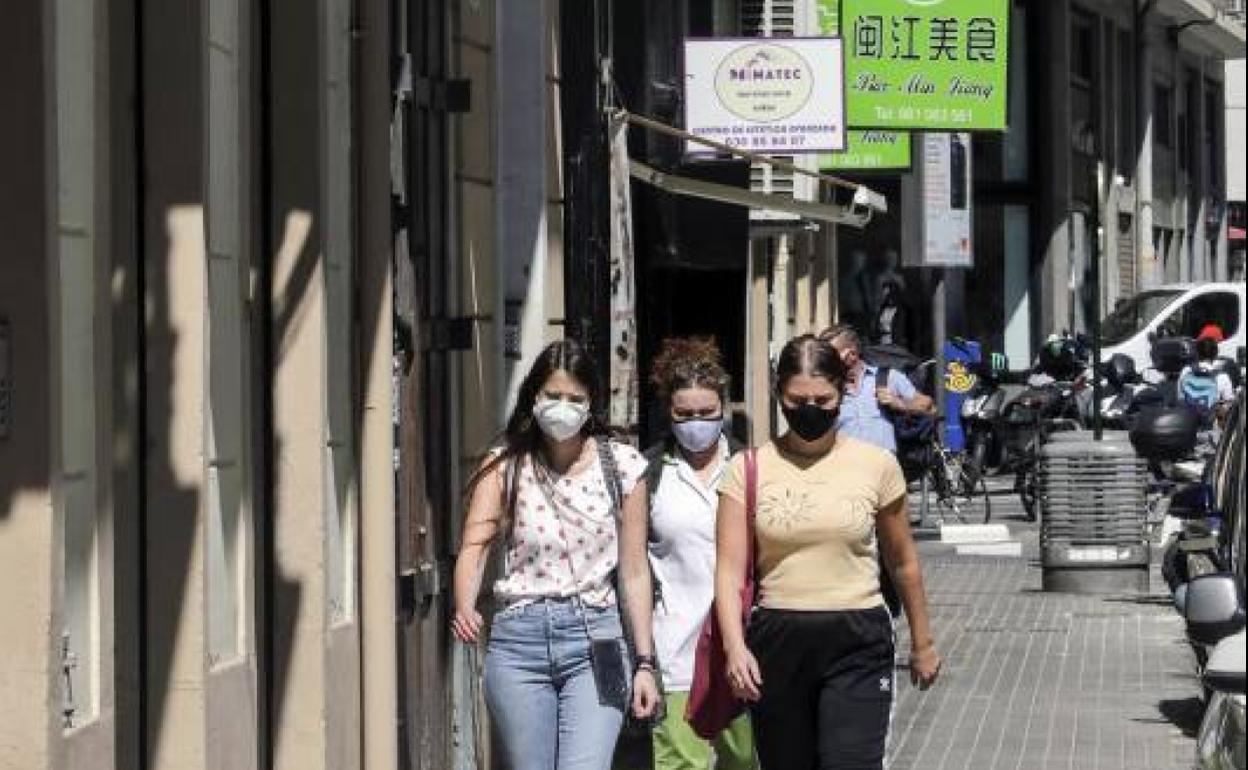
{"x": 540, "y": 688}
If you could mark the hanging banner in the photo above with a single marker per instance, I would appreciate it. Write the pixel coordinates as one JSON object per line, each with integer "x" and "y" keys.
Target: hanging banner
{"x": 623, "y": 404}
{"x": 870, "y": 151}
{"x": 925, "y": 64}
{"x": 782, "y": 95}
{"x": 865, "y": 150}
{"x": 946, "y": 172}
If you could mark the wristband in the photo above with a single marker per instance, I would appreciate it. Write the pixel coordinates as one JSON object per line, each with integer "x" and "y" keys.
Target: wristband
{"x": 646, "y": 662}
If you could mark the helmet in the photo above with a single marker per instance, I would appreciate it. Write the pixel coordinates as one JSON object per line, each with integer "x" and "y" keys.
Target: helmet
{"x": 1119, "y": 370}
{"x": 1211, "y": 331}
{"x": 1059, "y": 358}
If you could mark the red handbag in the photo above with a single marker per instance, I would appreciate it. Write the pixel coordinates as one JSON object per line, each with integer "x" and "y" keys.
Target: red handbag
{"x": 712, "y": 705}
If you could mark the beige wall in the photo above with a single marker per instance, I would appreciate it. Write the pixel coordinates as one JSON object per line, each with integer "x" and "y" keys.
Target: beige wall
{"x": 201, "y": 378}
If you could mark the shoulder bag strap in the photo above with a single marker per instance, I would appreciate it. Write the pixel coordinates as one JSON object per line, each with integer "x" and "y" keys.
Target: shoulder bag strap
{"x": 751, "y": 510}
{"x": 610, "y": 471}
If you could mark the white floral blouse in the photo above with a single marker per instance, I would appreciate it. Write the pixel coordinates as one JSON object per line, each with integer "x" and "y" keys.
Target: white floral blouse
{"x": 563, "y": 539}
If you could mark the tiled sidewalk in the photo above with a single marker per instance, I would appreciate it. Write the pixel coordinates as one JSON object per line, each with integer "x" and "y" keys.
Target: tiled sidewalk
{"x": 1038, "y": 681}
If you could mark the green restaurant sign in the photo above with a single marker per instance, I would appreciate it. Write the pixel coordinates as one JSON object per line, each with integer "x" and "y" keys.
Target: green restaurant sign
{"x": 870, "y": 151}
{"x": 933, "y": 65}
{"x": 864, "y": 150}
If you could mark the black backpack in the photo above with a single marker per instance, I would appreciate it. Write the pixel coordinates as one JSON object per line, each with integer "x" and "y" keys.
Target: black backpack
{"x": 912, "y": 433}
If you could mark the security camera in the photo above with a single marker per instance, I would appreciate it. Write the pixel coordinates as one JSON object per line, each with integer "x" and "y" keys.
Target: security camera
{"x": 866, "y": 198}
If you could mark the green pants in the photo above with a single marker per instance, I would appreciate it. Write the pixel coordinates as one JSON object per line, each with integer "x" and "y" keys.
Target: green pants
{"x": 678, "y": 747}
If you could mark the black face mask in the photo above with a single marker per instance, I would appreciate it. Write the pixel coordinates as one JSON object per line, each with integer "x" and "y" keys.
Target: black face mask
{"x": 810, "y": 422}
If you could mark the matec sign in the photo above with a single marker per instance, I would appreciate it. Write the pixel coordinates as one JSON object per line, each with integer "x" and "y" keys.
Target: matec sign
{"x": 782, "y": 96}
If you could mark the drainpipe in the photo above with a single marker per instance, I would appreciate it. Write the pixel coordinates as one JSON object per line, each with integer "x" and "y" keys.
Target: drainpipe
{"x": 379, "y": 619}
{"x": 1144, "y": 164}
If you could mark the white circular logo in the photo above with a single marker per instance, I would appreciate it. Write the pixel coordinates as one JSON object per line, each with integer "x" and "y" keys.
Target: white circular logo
{"x": 764, "y": 82}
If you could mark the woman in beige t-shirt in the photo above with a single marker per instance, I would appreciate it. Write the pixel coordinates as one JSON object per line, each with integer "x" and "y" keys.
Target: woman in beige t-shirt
{"x": 816, "y": 662}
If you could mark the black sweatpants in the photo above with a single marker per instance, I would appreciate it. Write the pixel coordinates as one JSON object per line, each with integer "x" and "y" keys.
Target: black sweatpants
{"x": 828, "y": 685}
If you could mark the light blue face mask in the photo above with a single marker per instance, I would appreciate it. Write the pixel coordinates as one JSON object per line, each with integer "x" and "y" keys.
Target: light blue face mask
{"x": 697, "y": 436}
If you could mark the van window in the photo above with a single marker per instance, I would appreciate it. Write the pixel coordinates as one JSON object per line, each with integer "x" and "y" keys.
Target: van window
{"x": 1218, "y": 307}
{"x": 1133, "y": 314}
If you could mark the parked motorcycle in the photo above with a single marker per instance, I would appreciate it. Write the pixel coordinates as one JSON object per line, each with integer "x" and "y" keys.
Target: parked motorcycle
{"x": 983, "y": 415}
{"x": 1120, "y": 385}
{"x": 1049, "y": 404}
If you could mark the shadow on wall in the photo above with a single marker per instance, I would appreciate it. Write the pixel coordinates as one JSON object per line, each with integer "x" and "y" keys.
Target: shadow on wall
{"x": 24, "y": 454}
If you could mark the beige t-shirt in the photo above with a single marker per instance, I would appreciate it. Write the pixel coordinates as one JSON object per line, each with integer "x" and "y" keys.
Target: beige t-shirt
{"x": 815, "y": 524}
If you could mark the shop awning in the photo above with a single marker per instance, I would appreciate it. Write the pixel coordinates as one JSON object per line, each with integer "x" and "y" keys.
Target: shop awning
{"x": 697, "y": 188}
{"x": 1235, "y": 233}
{"x": 863, "y": 202}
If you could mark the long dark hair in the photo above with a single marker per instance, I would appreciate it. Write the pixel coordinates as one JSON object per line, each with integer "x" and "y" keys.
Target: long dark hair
{"x": 523, "y": 437}
{"x": 810, "y": 355}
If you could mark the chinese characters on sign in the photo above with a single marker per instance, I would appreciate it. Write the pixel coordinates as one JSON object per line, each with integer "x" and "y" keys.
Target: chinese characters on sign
{"x": 947, "y": 38}
{"x": 766, "y": 96}
{"x": 946, "y": 173}
{"x": 935, "y": 64}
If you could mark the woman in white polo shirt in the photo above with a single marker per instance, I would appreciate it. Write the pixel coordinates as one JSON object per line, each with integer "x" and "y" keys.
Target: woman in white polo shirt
{"x": 684, "y": 472}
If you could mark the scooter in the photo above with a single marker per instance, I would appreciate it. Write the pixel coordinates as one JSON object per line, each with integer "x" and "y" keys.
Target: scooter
{"x": 983, "y": 417}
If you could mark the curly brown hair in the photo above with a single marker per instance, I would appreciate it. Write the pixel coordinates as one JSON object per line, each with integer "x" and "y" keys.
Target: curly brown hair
{"x": 689, "y": 362}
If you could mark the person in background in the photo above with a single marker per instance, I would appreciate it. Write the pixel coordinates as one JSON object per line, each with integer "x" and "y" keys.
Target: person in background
{"x": 857, "y": 300}
{"x": 557, "y": 671}
{"x": 817, "y": 660}
{"x": 869, "y": 405}
{"x": 1206, "y": 384}
{"x": 868, "y": 408}
{"x": 893, "y": 321}
{"x": 683, "y": 474}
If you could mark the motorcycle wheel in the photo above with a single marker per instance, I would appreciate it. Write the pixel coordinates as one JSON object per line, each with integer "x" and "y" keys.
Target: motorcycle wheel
{"x": 961, "y": 493}
{"x": 978, "y": 456}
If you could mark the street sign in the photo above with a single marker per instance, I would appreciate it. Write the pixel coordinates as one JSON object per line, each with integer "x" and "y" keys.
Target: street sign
{"x": 937, "y": 65}
{"x": 766, "y": 95}
{"x": 946, "y": 172}
{"x": 870, "y": 151}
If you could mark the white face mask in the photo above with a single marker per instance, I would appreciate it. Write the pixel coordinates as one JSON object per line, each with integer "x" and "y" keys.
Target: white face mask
{"x": 560, "y": 420}
{"x": 697, "y": 436}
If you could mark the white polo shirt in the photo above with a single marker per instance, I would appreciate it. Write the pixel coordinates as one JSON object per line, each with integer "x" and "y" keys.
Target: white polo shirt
{"x": 682, "y": 515}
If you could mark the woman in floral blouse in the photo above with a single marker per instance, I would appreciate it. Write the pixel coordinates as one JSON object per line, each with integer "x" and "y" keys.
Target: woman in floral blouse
{"x": 558, "y": 674}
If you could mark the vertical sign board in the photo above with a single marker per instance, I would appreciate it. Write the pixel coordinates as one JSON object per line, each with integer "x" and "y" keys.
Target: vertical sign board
{"x": 866, "y": 150}
{"x": 937, "y": 65}
{"x": 775, "y": 95}
{"x": 946, "y": 173}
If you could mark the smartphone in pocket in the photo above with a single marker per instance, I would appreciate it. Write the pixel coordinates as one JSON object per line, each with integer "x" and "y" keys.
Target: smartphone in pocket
{"x": 606, "y": 656}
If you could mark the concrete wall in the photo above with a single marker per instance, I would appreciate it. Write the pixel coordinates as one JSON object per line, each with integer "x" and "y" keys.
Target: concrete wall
{"x": 130, "y": 297}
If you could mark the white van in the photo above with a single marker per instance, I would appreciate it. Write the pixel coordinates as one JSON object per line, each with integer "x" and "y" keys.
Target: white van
{"x": 1175, "y": 310}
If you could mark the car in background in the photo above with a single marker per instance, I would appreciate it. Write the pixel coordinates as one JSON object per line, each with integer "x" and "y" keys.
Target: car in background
{"x": 1175, "y": 310}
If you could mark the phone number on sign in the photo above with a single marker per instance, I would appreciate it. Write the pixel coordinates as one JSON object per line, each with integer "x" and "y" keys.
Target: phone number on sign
{"x": 952, "y": 116}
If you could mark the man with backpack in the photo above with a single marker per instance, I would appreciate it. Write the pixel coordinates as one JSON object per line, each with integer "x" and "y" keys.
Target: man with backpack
{"x": 874, "y": 398}
{"x": 874, "y": 395}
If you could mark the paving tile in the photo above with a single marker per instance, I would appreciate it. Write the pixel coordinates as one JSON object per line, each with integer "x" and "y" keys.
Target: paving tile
{"x": 1035, "y": 680}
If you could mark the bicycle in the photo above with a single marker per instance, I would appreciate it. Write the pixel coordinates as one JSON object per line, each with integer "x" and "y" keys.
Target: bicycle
{"x": 958, "y": 484}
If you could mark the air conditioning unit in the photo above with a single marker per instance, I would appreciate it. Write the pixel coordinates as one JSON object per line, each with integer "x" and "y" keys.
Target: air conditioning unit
{"x": 780, "y": 18}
